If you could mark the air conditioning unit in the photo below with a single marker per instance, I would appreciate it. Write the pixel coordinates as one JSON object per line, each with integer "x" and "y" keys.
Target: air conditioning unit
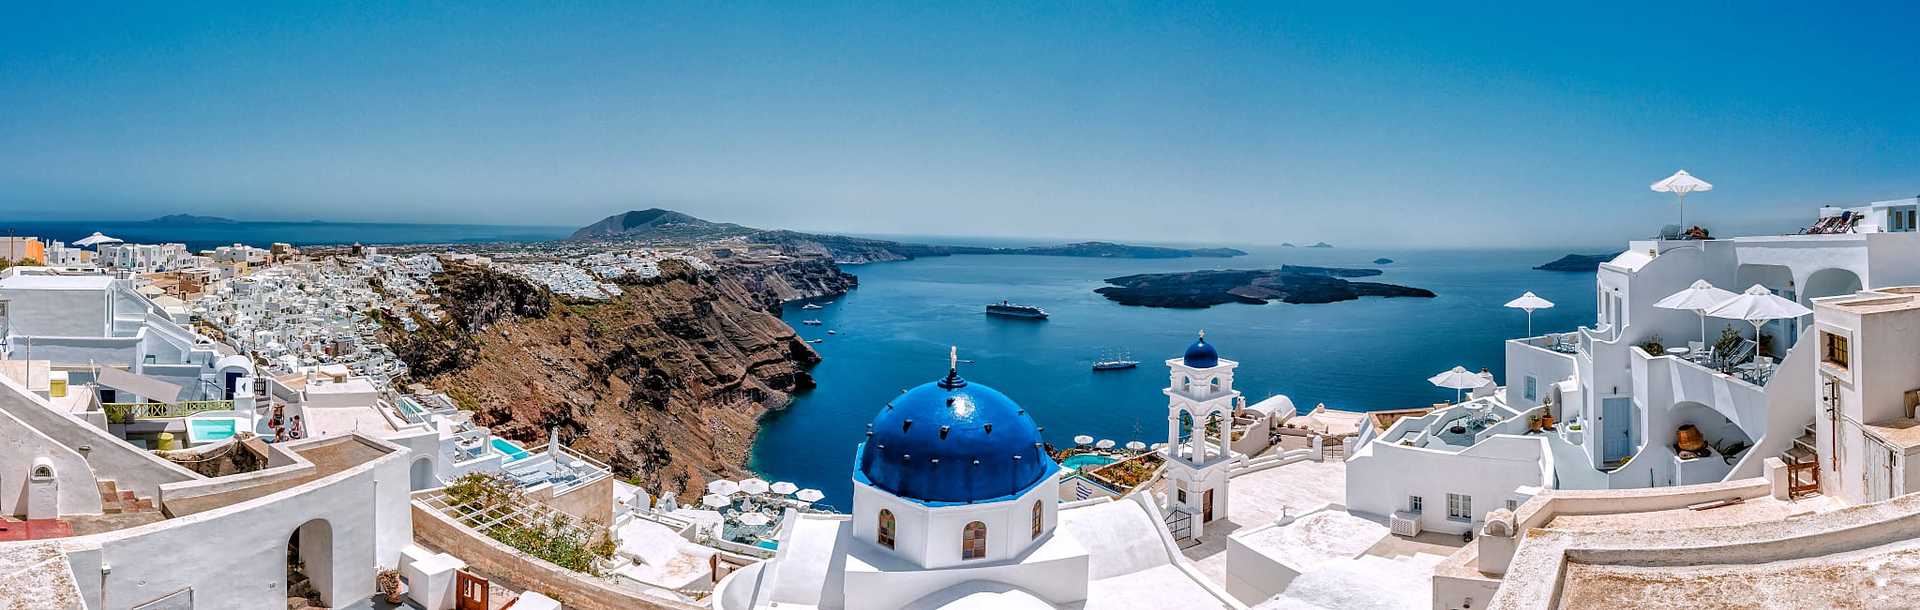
{"x": 1405, "y": 524}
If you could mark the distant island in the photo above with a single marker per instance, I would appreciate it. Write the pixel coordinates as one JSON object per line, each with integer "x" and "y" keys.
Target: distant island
{"x": 1578, "y": 262}
{"x": 1288, "y": 284}
{"x": 1288, "y": 244}
{"x": 1321, "y": 245}
{"x": 1383, "y": 261}
{"x": 189, "y": 219}
{"x": 667, "y": 226}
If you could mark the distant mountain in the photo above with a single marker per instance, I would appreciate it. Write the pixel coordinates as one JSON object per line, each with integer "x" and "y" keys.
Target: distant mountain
{"x": 655, "y": 223}
{"x": 1578, "y": 262}
{"x": 189, "y": 219}
{"x": 670, "y": 226}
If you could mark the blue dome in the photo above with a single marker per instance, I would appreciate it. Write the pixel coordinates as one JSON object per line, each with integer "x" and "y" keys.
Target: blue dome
{"x": 1201, "y": 355}
{"x": 953, "y": 442}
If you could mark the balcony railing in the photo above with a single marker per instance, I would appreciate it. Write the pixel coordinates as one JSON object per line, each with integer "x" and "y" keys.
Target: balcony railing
{"x": 122, "y": 412}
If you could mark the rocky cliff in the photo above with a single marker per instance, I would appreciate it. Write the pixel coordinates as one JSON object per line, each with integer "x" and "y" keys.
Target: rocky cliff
{"x": 664, "y": 383}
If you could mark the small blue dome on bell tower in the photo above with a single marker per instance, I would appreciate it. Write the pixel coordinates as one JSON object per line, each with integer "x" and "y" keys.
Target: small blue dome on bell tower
{"x": 1201, "y": 354}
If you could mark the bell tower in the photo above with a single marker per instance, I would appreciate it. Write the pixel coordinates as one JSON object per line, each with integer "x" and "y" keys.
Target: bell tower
{"x": 1200, "y": 403}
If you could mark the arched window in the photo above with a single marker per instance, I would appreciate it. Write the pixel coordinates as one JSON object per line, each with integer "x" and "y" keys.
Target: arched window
{"x": 1039, "y": 518}
{"x": 886, "y": 528}
{"x": 973, "y": 543}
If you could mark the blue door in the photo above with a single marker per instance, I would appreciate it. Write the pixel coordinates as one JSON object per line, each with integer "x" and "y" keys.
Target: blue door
{"x": 1617, "y": 425}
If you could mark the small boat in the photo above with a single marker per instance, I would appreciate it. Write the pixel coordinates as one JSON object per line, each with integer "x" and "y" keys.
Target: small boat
{"x": 826, "y": 302}
{"x": 810, "y": 322}
{"x": 810, "y": 306}
{"x": 1006, "y": 309}
{"x": 832, "y": 332}
{"x": 1114, "y": 362}
{"x": 815, "y": 340}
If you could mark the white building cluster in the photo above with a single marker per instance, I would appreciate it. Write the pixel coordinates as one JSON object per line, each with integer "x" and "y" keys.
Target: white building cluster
{"x": 563, "y": 279}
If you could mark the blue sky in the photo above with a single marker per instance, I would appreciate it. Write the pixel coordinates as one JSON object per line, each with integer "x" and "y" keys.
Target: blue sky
{"x": 1261, "y": 123}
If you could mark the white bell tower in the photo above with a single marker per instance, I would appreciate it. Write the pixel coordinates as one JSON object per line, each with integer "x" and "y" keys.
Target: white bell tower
{"x": 1200, "y": 404}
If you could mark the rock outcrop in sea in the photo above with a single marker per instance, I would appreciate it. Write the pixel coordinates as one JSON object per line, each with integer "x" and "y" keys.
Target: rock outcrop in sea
{"x": 1578, "y": 262}
{"x": 1288, "y": 284}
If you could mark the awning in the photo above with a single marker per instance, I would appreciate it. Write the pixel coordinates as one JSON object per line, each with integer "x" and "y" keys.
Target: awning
{"x": 147, "y": 387}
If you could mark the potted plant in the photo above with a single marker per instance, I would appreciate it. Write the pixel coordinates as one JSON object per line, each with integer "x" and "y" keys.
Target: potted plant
{"x": 387, "y": 580}
{"x": 1533, "y": 423}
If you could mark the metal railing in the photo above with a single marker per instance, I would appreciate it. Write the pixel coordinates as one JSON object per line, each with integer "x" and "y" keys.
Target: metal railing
{"x": 127, "y": 411}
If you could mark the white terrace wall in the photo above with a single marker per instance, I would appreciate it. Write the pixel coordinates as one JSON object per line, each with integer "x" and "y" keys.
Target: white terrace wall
{"x": 20, "y": 445}
{"x": 235, "y": 558}
{"x": 111, "y": 458}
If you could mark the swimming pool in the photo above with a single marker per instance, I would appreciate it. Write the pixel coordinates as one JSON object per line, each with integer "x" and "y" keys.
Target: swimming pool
{"x": 211, "y": 429}
{"x": 1087, "y": 460}
{"x": 512, "y": 451}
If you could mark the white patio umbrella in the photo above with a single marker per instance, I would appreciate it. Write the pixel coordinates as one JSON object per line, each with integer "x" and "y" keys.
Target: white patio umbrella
{"x": 1459, "y": 379}
{"x": 1681, "y": 183}
{"x": 754, "y": 485}
{"x": 1529, "y": 302}
{"x": 723, "y": 487}
{"x": 95, "y": 239}
{"x": 784, "y": 488}
{"x": 809, "y": 495}
{"x": 1083, "y": 440}
{"x": 715, "y": 501}
{"x": 1105, "y": 443}
{"x": 1758, "y": 305}
{"x": 753, "y": 519}
{"x": 1699, "y": 298}
{"x": 1136, "y": 445}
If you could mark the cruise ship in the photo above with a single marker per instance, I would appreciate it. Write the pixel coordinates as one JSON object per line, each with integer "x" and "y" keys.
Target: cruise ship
{"x": 1006, "y": 309}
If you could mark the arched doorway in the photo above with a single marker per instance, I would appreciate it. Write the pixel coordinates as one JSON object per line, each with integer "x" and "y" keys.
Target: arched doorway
{"x": 421, "y": 474}
{"x": 310, "y": 563}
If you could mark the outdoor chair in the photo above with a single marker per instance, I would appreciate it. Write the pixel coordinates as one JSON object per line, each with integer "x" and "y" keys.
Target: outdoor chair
{"x": 1697, "y": 351}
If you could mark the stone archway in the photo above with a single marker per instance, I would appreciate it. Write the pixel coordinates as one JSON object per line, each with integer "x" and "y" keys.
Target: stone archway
{"x": 1829, "y": 282}
{"x": 310, "y": 564}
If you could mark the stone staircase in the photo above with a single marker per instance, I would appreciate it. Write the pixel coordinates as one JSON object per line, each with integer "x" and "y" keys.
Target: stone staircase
{"x": 114, "y": 501}
{"x": 1802, "y": 451}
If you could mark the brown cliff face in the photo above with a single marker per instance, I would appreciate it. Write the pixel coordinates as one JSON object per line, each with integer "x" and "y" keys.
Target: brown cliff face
{"x": 665, "y": 383}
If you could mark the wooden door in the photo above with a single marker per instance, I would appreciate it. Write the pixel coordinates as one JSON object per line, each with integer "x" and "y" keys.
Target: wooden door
{"x": 1206, "y": 507}
{"x": 470, "y": 592}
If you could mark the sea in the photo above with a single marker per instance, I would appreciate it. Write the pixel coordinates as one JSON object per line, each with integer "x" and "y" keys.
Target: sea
{"x": 893, "y": 333}
{"x": 206, "y": 236}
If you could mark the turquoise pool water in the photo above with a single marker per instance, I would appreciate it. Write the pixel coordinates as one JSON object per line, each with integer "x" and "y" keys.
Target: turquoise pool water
{"x": 512, "y": 451}
{"x": 1086, "y": 460}
{"x": 768, "y": 544}
{"x": 207, "y": 430}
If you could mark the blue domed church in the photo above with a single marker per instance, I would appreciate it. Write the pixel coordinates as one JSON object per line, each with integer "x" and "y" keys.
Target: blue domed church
{"x": 957, "y": 504}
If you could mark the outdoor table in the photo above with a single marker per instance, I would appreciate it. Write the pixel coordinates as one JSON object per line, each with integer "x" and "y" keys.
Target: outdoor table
{"x": 1679, "y": 351}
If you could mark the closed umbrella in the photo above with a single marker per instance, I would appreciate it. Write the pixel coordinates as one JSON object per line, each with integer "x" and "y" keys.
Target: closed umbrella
{"x": 1681, "y": 183}
{"x": 715, "y": 500}
{"x": 1699, "y": 298}
{"x": 809, "y": 495}
{"x": 1758, "y": 305}
{"x": 723, "y": 487}
{"x": 753, "y": 486}
{"x": 1459, "y": 379}
{"x": 1529, "y": 302}
{"x": 784, "y": 488}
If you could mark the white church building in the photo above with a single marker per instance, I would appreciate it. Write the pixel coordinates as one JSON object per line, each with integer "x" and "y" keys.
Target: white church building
{"x": 955, "y": 506}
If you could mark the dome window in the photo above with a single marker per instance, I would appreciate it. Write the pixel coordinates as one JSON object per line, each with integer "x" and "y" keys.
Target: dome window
{"x": 973, "y": 542}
